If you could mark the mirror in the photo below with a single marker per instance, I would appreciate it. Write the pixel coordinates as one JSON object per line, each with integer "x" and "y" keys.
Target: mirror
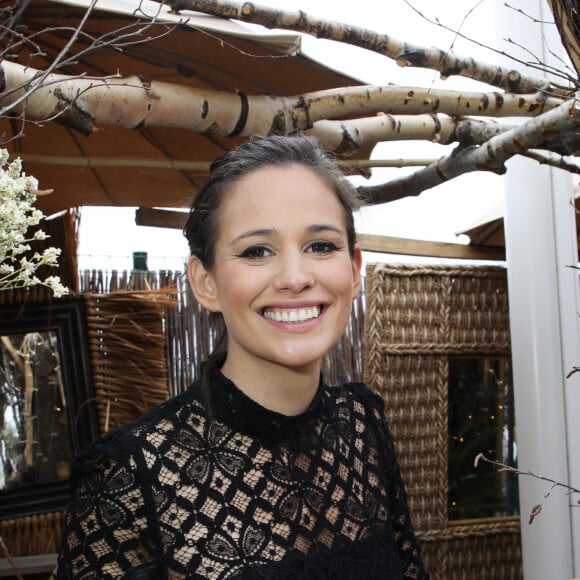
{"x": 47, "y": 410}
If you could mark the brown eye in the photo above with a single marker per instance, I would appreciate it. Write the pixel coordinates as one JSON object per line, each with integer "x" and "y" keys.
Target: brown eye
{"x": 322, "y": 247}
{"x": 255, "y": 252}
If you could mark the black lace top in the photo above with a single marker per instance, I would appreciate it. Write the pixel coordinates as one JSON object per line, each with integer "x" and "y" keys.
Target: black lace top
{"x": 249, "y": 494}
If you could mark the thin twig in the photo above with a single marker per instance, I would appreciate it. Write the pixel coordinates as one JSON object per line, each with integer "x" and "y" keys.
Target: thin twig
{"x": 541, "y": 67}
{"x": 536, "y": 509}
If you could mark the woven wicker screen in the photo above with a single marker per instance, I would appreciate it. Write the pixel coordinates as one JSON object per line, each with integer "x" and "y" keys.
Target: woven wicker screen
{"x": 416, "y": 317}
{"x": 128, "y": 354}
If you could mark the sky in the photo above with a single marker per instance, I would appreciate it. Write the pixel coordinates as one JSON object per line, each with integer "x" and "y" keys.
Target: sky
{"x": 438, "y": 214}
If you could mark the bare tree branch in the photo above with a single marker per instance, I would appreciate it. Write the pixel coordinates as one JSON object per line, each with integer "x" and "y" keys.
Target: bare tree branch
{"x": 134, "y": 33}
{"x": 488, "y": 157}
{"x": 133, "y": 101}
{"x": 569, "y": 79}
{"x": 404, "y": 53}
{"x": 554, "y": 160}
{"x": 536, "y": 509}
{"x": 346, "y": 137}
{"x": 40, "y": 77}
{"x": 343, "y": 119}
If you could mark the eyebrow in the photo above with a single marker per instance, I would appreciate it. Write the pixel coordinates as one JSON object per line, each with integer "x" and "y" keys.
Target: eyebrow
{"x": 265, "y": 232}
{"x": 314, "y": 229}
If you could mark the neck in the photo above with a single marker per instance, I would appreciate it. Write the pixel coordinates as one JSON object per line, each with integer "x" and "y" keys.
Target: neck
{"x": 286, "y": 390}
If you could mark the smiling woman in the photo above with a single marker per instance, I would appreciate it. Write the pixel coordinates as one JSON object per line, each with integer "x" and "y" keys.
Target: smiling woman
{"x": 282, "y": 254}
{"x": 259, "y": 470}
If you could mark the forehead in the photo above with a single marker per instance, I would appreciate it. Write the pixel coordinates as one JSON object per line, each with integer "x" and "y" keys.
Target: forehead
{"x": 281, "y": 195}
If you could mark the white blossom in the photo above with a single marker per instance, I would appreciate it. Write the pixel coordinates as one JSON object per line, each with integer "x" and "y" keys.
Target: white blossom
{"x": 17, "y": 215}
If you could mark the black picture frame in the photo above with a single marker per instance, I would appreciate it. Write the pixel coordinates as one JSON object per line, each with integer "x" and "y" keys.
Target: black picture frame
{"x": 64, "y": 319}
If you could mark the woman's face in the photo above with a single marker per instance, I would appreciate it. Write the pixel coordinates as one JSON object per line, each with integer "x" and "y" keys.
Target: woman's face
{"x": 283, "y": 276}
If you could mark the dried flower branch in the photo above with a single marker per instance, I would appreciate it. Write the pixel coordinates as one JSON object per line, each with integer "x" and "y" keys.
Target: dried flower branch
{"x": 536, "y": 509}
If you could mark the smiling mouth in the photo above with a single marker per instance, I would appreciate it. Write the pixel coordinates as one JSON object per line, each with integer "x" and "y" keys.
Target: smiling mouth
{"x": 292, "y": 314}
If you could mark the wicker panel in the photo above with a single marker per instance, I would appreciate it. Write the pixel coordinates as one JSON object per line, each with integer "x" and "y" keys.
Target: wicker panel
{"x": 128, "y": 359}
{"x": 414, "y": 388}
{"x": 32, "y": 535}
{"x": 486, "y": 552}
{"x": 416, "y": 317}
{"x": 438, "y": 309}
{"x": 478, "y": 311}
{"x": 404, "y": 310}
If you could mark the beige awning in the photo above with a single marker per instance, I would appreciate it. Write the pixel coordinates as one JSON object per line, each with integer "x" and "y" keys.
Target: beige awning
{"x": 488, "y": 229}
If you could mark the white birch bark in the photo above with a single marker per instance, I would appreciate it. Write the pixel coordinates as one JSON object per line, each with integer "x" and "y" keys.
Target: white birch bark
{"x": 404, "y": 53}
{"x": 132, "y": 102}
{"x": 346, "y": 137}
{"x": 488, "y": 157}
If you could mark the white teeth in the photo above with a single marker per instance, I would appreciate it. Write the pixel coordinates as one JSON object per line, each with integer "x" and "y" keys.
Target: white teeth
{"x": 293, "y": 315}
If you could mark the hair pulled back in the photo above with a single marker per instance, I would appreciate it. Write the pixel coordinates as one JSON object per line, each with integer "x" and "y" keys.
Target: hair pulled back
{"x": 202, "y": 227}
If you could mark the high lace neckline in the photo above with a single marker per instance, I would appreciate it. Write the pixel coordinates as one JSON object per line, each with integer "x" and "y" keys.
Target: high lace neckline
{"x": 241, "y": 413}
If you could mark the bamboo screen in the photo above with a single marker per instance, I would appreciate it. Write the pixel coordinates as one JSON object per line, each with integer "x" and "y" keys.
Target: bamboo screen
{"x": 416, "y": 318}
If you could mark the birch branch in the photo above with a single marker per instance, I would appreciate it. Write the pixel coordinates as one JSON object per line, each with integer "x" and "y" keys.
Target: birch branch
{"x": 133, "y": 102}
{"x": 554, "y": 160}
{"x": 403, "y": 53}
{"x": 488, "y": 157}
{"x": 347, "y": 137}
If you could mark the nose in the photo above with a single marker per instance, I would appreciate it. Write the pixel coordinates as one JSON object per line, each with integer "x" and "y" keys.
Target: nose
{"x": 294, "y": 273}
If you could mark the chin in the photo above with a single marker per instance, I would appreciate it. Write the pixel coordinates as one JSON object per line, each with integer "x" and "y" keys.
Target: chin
{"x": 302, "y": 358}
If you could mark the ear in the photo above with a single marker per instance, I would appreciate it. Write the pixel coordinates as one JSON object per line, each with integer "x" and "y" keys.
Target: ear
{"x": 356, "y": 272}
{"x": 202, "y": 285}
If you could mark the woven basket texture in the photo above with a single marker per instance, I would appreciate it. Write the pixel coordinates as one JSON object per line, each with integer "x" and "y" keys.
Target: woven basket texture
{"x": 416, "y": 318}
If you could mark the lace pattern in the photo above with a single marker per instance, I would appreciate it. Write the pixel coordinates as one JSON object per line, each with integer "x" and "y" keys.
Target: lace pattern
{"x": 247, "y": 494}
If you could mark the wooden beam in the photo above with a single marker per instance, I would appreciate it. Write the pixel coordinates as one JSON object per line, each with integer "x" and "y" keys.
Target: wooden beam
{"x": 163, "y": 218}
{"x": 408, "y": 247}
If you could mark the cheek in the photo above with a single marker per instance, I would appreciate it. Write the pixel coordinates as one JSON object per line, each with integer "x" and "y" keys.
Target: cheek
{"x": 236, "y": 289}
{"x": 343, "y": 277}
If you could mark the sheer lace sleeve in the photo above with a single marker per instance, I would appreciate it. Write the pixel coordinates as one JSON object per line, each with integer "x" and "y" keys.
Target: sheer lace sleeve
{"x": 106, "y": 532}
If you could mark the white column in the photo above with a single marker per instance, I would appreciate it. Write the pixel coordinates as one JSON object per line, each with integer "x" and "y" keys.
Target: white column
{"x": 540, "y": 245}
{"x": 569, "y": 294}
